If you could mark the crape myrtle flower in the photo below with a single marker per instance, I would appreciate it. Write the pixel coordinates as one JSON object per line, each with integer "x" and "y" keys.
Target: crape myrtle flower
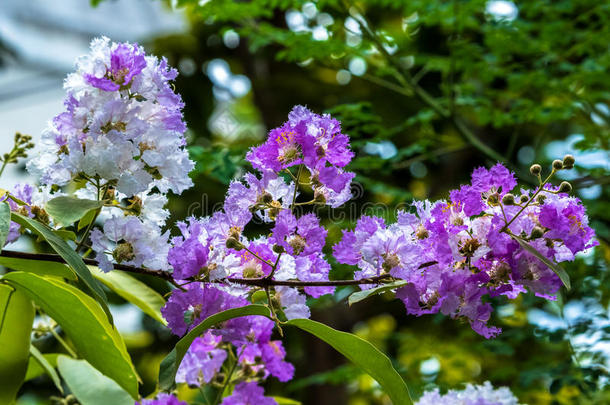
{"x": 122, "y": 124}
{"x": 484, "y": 394}
{"x": 452, "y": 254}
{"x": 202, "y": 361}
{"x": 316, "y": 142}
{"x": 248, "y": 393}
{"x": 162, "y": 399}
{"x": 127, "y": 240}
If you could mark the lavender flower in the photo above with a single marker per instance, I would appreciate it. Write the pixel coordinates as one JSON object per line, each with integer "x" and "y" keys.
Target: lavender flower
{"x": 248, "y": 393}
{"x": 162, "y": 399}
{"x": 122, "y": 125}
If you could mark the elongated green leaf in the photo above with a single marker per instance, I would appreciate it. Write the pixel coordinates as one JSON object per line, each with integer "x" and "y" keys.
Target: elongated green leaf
{"x": 66, "y": 210}
{"x": 40, "y": 267}
{"x": 69, "y": 255}
{"x": 132, "y": 290}
{"x": 286, "y": 401}
{"x": 16, "y": 318}
{"x": 364, "y": 294}
{"x": 90, "y": 386}
{"x": 82, "y": 319}
{"x": 36, "y": 370}
{"x": 46, "y": 366}
{"x": 364, "y": 355}
{"x": 170, "y": 364}
{"x": 5, "y": 222}
{"x": 563, "y": 275}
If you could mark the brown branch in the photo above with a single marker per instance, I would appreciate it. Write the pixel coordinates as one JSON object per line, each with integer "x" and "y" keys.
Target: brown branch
{"x": 166, "y": 275}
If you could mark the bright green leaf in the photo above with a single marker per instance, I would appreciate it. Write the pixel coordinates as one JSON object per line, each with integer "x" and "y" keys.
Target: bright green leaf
{"x": 90, "y": 386}
{"x": 286, "y": 401}
{"x": 16, "y": 318}
{"x": 361, "y": 295}
{"x": 82, "y": 319}
{"x": 563, "y": 275}
{"x": 40, "y": 267}
{"x": 132, "y": 290}
{"x": 36, "y": 370}
{"x": 66, "y": 210}
{"x": 69, "y": 255}
{"x": 46, "y": 366}
{"x": 364, "y": 355}
{"x": 5, "y": 222}
{"x": 169, "y": 365}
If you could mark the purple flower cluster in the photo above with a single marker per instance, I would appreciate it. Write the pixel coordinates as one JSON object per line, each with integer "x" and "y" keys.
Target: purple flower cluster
{"x": 216, "y": 249}
{"x": 315, "y": 142}
{"x": 162, "y": 399}
{"x": 257, "y": 355}
{"x": 452, "y": 254}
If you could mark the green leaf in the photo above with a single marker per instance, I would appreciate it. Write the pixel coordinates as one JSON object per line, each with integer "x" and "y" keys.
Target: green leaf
{"x": 563, "y": 275}
{"x": 86, "y": 219}
{"x": 169, "y": 365}
{"x": 286, "y": 401}
{"x": 132, "y": 290}
{"x": 82, "y": 319}
{"x": 46, "y": 366}
{"x": 363, "y": 354}
{"x": 69, "y": 255}
{"x": 364, "y": 294}
{"x": 90, "y": 386}
{"x": 36, "y": 370}
{"x": 5, "y": 222}
{"x": 40, "y": 267}
{"x": 16, "y": 318}
{"x": 66, "y": 210}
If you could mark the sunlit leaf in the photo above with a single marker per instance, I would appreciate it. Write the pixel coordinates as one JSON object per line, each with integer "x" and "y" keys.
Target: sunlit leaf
{"x": 90, "y": 386}
{"x": 82, "y": 319}
{"x": 66, "y": 210}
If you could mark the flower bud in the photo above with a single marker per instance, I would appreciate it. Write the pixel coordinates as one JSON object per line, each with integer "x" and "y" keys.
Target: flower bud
{"x": 540, "y": 199}
{"x": 508, "y": 199}
{"x": 267, "y": 198}
{"x": 537, "y": 232}
{"x": 278, "y": 249}
{"x": 535, "y": 169}
{"x": 557, "y": 164}
{"x": 568, "y": 161}
{"x": 523, "y": 199}
{"x": 233, "y": 243}
{"x": 565, "y": 187}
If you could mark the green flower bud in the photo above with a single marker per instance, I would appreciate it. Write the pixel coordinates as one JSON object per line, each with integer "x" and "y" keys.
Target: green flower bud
{"x": 568, "y": 161}
{"x": 523, "y": 199}
{"x": 508, "y": 199}
{"x": 233, "y": 243}
{"x": 540, "y": 199}
{"x": 535, "y": 169}
{"x": 557, "y": 164}
{"x": 278, "y": 249}
{"x": 565, "y": 187}
{"x": 537, "y": 232}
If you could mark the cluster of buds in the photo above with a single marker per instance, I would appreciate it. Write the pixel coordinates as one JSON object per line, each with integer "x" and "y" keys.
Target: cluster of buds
{"x": 22, "y": 144}
{"x": 564, "y": 187}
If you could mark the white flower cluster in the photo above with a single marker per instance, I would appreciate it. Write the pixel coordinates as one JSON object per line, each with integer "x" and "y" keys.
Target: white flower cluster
{"x": 484, "y": 394}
